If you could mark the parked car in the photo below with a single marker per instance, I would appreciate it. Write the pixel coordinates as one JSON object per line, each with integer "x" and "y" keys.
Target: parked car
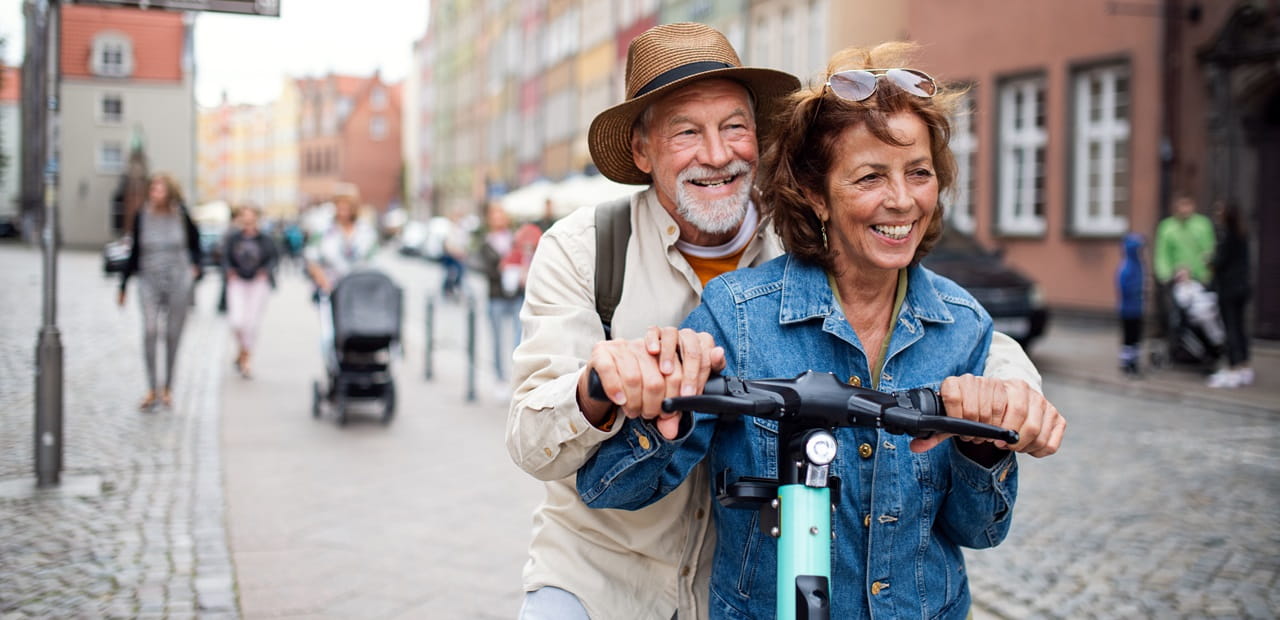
{"x": 115, "y": 255}
{"x": 1014, "y": 302}
{"x": 211, "y": 245}
{"x": 438, "y": 229}
{"x": 9, "y": 226}
{"x": 412, "y": 237}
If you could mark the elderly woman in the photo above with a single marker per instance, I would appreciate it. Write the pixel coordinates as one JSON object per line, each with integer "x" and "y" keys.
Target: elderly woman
{"x": 852, "y": 183}
{"x": 166, "y": 258}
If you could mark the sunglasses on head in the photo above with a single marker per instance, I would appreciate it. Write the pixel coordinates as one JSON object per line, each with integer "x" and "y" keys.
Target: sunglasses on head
{"x": 859, "y": 84}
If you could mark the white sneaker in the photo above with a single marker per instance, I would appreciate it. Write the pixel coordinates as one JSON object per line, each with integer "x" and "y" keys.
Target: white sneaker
{"x": 1224, "y": 379}
{"x": 1244, "y": 376}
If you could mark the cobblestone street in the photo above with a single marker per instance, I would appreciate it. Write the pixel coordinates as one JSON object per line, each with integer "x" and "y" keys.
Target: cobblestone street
{"x": 137, "y": 528}
{"x": 237, "y": 503}
{"x": 1152, "y": 509}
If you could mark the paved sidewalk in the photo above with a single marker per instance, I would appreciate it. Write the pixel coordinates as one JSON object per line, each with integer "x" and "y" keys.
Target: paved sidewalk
{"x": 1085, "y": 350}
{"x": 136, "y": 528}
{"x": 424, "y": 518}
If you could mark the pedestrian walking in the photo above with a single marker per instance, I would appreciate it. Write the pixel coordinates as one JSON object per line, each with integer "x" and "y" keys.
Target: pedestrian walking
{"x": 1233, "y": 284}
{"x": 249, "y": 261}
{"x": 1130, "y": 284}
{"x": 348, "y": 243}
{"x": 688, "y": 132}
{"x": 165, "y": 256}
{"x": 457, "y": 247}
{"x": 505, "y": 264}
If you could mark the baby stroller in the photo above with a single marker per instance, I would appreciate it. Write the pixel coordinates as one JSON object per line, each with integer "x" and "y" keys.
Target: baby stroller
{"x": 1195, "y": 334}
{"x": 365, "y": 307}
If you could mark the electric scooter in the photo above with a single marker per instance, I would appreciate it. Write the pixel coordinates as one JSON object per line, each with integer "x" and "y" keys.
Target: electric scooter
{"x": 796, "y": 507}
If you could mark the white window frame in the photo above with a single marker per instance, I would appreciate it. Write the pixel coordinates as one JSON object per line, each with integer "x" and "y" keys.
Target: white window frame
{"x": 1021, "y": 144}
{"x": 112, "y": 55}
{"x": 378, "y": 98}
{"x": 1100, "y": 189}
{"x": 962, "y": 200}
{"x": 103, "y": 116}
{"x": 378, "y": 128}
{"x": 110, "y": 165}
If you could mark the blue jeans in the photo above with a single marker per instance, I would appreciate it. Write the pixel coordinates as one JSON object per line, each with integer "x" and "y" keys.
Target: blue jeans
{"x": 504, "y": 317}
{"x": 552, "y": 603}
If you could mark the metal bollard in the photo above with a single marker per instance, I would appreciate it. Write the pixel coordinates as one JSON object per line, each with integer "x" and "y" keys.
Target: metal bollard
{"x": 430, "y": 348}
{"x": 471, "y": 349}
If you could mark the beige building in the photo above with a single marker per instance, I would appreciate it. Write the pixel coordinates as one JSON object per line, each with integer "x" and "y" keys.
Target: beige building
{"x": 1079, "y": 131}
{"x": 126, "y": 82}
{"x": 248, "y": 154}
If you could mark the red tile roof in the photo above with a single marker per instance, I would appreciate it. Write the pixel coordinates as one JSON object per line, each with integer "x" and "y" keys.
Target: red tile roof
{"x": 157, "y": 38}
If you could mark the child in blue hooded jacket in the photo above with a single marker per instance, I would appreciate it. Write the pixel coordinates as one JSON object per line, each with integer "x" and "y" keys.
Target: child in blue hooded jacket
{"x": 1130, "y": 279}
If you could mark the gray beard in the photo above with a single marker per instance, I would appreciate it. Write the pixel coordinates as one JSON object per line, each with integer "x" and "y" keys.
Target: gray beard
{"x": 717, "y": 216}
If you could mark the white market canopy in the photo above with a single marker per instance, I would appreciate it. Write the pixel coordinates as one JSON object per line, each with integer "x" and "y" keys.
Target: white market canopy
{"x": 528, "y": 202}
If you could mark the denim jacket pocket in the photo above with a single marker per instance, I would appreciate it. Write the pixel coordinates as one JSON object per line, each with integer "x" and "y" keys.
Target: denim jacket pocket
{"x": 764, "y": 444}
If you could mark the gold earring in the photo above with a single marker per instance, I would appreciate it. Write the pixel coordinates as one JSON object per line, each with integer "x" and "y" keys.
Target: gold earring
{"x": 823, "y": 225}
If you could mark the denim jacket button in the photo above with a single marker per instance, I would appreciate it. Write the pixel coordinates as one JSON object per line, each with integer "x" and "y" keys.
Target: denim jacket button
{"x": 878, "y": 586}
{"x": 643, "y": 441}
{"x": 855, "y": 381}
{"x": 865, "y": 451}
{"x": 866, "y": 521}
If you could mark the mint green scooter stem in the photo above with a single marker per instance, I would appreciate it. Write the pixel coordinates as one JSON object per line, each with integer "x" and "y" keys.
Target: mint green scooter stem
{"x": 804, "y": 546}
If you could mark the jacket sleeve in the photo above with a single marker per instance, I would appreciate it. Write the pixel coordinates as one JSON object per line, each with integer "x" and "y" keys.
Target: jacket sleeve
{"x": 638, "y": 466}
{"x": 978, "y": 508}
{"x": 135, "y": 249}
{"x": 547, "y": 435}
{"x": 193, "y": 239}
{"x": 1007, "y": 360}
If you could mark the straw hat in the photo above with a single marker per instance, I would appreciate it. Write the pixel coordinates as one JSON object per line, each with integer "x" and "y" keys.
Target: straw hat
{"x": 661, "y": 60}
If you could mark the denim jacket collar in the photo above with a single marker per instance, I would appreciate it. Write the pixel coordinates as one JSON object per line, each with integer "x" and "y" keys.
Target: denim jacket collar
{"x": 806, "y": 295}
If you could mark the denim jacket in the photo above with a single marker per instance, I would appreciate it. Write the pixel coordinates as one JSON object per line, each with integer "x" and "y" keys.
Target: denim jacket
{"x": 901, "y": 517}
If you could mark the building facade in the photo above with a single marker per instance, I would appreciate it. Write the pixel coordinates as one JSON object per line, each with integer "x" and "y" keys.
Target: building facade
{"x": 1080, "y": 127}
{"x": 248, "y": 154}
{"x": 1076, "y": 126}
{"x": 126, "y": 83}
{"x": 10, "y": 143}
{"x": 349, "y": 132}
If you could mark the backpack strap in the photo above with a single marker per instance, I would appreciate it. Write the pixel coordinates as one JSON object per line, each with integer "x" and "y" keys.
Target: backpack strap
{"x": 613, "y": 231}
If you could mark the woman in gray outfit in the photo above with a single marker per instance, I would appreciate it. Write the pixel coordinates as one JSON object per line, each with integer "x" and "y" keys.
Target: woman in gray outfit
{"x": 166, "y": 258}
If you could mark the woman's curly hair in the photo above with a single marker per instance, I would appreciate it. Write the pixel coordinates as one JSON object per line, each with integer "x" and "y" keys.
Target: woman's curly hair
{"x": 802, "y": 148}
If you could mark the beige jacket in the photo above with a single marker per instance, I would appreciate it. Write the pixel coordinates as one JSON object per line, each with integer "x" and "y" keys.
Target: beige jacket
{"x": 640, "y": 564}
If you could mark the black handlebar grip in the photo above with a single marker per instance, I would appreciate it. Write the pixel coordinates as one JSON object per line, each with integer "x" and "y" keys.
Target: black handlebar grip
{"x": 595, "y": 389}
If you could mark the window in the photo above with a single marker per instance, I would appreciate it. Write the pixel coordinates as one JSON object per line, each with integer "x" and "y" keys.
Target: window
{"x": 964, "y": 145}
{"x": 1022, "y": 151}
{"x": 1100, "y": 145}
{"x": 378, "y": 98}
{"x": 110, "y": 157}
{"x": 111, "y": 109}
{"x": 112, "y": 55}
{"x": 378, "y": 128}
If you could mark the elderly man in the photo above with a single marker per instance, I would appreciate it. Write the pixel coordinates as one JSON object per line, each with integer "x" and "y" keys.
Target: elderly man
{"x": 688, "y": 129}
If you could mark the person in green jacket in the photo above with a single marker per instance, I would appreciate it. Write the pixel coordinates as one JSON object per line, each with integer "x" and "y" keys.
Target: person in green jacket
{"x": 1184, "y": 240}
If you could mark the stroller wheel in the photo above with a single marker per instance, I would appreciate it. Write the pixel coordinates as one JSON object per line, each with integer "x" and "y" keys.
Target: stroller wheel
{"x": 316, "y": 397}
{"x": 340, "y": 406}
{"x": 389, "y": 403}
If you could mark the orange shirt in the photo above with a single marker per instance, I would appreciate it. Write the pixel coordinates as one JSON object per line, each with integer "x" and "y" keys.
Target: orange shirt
{"x": 708, "y": 268}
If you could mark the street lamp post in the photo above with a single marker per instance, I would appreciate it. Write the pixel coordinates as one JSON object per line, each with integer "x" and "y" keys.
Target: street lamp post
{"x": 48, "y": 426}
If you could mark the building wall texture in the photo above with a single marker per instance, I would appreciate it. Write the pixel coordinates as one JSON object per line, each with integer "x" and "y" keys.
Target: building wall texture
{"x": 156, "y": 111}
